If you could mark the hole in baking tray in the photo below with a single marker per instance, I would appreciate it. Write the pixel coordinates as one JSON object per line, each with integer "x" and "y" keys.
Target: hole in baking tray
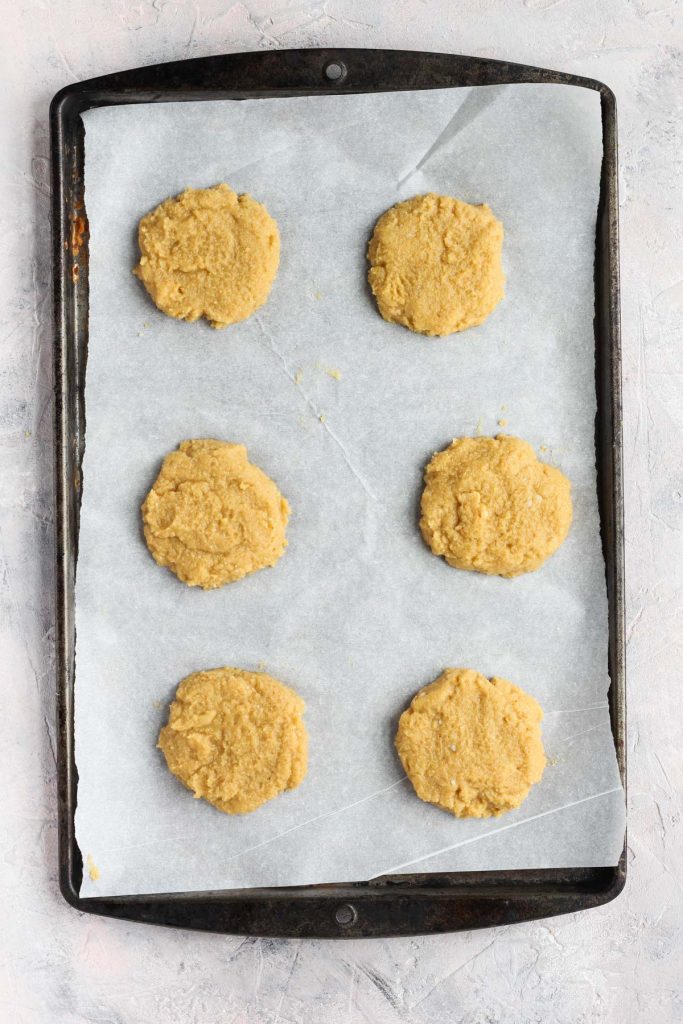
{"x": 346, "y": 914}
{"x": 335, "y": 72}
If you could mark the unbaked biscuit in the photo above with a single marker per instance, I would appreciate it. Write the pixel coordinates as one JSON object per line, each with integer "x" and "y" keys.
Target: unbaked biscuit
{"x": 212, "y": 517}
{"x": 208, "y": 252}
{"x": 436, "y": 264}
{"x": 491, "y": 506}
{"x": 235, "y": 738}
{"x": 472, "y": 745}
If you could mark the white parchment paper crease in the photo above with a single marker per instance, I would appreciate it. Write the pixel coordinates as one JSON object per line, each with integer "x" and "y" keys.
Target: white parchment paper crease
{"x": 359, "y": 614}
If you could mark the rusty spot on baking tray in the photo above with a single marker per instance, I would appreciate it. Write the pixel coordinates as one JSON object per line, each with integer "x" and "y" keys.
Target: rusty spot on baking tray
{"x": 78, "y": 229}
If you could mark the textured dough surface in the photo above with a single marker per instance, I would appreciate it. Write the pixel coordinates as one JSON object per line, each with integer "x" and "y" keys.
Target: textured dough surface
{"x": 208, "y": 252}
{"x": 235, "y": 738}
{"x": 491, "y": 506}
{"x": 472, "y": 745}
{"x": 212, "y": 517}
{"x": 436, "y": 264}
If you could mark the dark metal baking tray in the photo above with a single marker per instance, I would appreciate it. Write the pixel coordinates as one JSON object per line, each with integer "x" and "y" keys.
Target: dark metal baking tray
{"x": 395, "y": 905}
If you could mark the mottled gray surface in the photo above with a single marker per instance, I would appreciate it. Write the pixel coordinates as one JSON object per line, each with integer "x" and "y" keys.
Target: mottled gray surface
{"x": 621, "y": 963}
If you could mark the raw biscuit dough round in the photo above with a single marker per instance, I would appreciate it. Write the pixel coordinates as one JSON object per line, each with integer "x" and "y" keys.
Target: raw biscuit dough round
{"x": 436, "y": 264}
{"x": 235, "y": 738}
{"x": 208, "y": 252}
{"x": 212, "y": 517}
{"x": 472, "y": 745}
{"x": 491, "y": 506}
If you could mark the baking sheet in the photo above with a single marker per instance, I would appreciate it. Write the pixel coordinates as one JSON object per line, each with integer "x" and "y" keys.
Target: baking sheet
{"x": 358, "y": 615}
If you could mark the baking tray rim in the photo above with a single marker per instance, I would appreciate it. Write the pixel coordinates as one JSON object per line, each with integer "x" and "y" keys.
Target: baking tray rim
{"x": 395, "y": 905}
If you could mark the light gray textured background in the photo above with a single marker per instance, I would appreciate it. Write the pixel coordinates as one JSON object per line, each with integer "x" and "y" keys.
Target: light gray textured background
{"x": 620, "y": 963}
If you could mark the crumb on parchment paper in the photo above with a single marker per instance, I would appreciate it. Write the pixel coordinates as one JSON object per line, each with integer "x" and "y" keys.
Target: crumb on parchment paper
{"x": 92, "y": 868}
{"x": 331, "y": 371}
{"x": 502, "y": 423}
{"x": 298, "y": 377}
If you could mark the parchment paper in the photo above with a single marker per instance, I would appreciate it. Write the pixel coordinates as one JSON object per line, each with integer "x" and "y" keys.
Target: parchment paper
{"x": 359, "y": 614}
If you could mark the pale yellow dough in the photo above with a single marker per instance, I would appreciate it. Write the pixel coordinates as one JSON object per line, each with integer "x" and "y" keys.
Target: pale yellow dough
{"x": 212, "y": 517}
{"x": 472, "y": 745}
{"x": 436, "y": 264}
{"x": 208, "y": 252}
{"x": 235, "y": 738}
{"x": 491, "y": 506}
